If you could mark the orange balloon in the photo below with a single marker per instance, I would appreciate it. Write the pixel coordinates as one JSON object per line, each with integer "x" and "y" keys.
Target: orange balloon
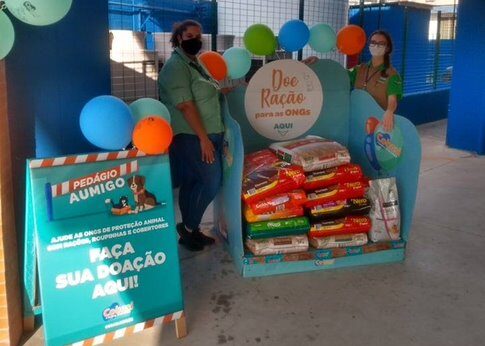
{"x": 152, "y": 135}
{"x": 215, "y": 64}
{"x": 351, "y": 39}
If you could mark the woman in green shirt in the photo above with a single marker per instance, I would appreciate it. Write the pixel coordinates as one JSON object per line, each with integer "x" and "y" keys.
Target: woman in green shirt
{"x": 378, "y": 77}
{"x": 192, "y": 98}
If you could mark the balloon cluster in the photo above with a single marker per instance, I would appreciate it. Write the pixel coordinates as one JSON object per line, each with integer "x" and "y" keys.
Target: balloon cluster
{"x": 383, "y": 149}
{"x": 108, "y": 123}
{"x": 233, "y": 64}
{"x": 34, "y": 12}
{"x": 259, "y": 39}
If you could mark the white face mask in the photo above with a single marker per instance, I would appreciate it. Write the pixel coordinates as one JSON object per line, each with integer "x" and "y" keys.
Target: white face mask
{"x": 376, "y": 50}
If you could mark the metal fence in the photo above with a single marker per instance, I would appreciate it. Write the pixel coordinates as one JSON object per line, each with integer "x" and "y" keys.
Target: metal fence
{"x": 235, "y": 16}
{"x": 140, "y": 30}
{"x": 139, "y": 35}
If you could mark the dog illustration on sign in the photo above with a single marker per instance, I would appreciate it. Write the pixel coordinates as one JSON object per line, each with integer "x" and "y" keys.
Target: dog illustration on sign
{"x": 120, "y": 208}
{"x": 144, "y": 200}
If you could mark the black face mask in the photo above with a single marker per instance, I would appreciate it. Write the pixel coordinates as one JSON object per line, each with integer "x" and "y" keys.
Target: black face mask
{"x": 192, "y": 46}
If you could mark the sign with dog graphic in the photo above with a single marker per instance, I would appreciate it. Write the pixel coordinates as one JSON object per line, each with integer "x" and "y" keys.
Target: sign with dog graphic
{"x": 105, "y": 239}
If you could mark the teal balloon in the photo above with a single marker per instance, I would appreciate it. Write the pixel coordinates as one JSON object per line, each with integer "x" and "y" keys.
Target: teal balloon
{"x": 145, "y": 107}
{"x": 238, "y": 62}
{"x": 39, "y": 12}
{"x": 322, "y": 38}
{"x": 7, "y": 35}
{"x": 388, "y": 147}
{"x": 259, "y": 39}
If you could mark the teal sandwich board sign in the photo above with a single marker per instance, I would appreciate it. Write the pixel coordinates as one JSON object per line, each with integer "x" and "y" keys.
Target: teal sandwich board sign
{"x": 105, "y": 245}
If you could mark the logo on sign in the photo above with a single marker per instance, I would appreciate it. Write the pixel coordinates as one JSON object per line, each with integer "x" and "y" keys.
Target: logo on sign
{"x": 283, "y": 100}
{"x": 115, "y": 310}
{"x": 383, "y": 149}
{"x": 384, "y": 141}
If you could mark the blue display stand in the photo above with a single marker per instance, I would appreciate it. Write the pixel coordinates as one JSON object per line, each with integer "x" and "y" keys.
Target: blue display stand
{"x": 343, "y": 118}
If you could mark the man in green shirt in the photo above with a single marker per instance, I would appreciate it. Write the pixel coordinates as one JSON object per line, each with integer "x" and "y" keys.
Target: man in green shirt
{"x": 192, "y": 97}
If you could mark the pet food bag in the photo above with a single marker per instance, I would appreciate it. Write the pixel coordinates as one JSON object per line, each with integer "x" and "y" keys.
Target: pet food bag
{"x": 285, "y": 213}
{"x": 312, "y": 153}
{"x": 278, "y": 228}
{"x": 346, "y": 225}
{"x": 336, "y": 192}
{"x": 342, "y": 240}
{"x": 331, "y": 176}
{"x": 279, "y": 245}
{"x": 279, "y": 202}
{"x": 340, "y": 208}
{"x": 270, "y": 180}
{"x": 259, "y": 159}
{"x": 385, "y": 214}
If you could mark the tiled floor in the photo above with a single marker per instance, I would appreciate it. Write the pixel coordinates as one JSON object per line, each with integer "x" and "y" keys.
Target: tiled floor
{"x": 436, "y": 297}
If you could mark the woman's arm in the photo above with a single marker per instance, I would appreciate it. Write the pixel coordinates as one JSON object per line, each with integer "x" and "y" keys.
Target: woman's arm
{"x": 192, "y": 116}
{"x": 394, "y": 92}
{"x": 388, "y": 118}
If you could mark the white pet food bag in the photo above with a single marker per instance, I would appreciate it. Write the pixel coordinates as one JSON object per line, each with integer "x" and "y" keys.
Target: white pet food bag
{"x": 278, "y": 245}
{"x": 312, "y": 153}
{"x": 341, "y": 240}
{"x": 385, "y": 214}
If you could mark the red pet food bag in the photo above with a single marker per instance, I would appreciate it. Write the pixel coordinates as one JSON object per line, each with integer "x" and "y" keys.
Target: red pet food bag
{"x": 346, "y": 225}
{"x": 341, "y": 208}
{"x": 287, "y": 212}
{"x": 331, "y": 176}
{"x": 267, "y": 181}
{"x": 335, "y": 193}
{"x": 259, "y": 159}
{"x": 278, "y": 202}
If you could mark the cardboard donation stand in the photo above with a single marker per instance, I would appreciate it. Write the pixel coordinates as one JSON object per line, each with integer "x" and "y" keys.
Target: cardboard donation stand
{"x": 101, "y": 236}
{"x": 286, "y": 100}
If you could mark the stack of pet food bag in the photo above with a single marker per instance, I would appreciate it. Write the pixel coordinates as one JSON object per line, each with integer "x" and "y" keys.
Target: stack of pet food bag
{"x": 273, "y": 205}
{"x": 305, "y": 192}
